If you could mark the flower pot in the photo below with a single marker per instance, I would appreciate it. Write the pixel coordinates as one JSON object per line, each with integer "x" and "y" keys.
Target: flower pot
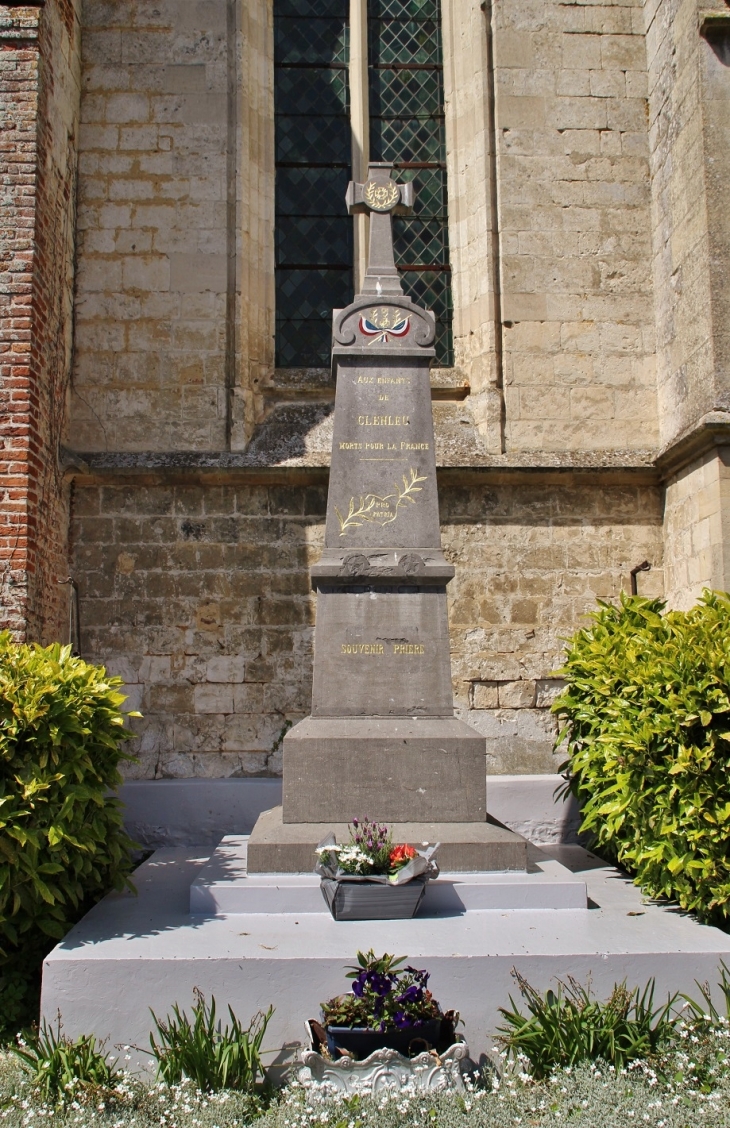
{"x": 360, "y": 899}
{"x": 384, "y": 1069}
{"x": 361, "y": 1042}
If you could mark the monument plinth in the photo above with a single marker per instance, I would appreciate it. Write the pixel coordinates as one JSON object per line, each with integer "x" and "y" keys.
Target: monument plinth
{"x": 382, "y": 739}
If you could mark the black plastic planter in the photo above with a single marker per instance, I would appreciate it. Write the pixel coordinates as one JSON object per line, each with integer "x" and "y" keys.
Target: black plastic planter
{"x": 361, "y": 1042}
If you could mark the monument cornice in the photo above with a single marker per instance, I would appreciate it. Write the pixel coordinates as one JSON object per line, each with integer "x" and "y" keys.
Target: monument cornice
{"x": 212, "y": 467}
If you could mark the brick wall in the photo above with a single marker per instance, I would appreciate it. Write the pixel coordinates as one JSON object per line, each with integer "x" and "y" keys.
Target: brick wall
{"x": 39, "y": 93}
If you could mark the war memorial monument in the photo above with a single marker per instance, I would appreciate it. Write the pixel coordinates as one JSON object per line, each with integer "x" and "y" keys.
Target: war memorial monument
{"x": 382, "y": 739}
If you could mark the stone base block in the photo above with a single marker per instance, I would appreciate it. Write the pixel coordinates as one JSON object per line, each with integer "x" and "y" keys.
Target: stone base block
{"x": 279, "y": 847}
{"x": 395, "y": 769}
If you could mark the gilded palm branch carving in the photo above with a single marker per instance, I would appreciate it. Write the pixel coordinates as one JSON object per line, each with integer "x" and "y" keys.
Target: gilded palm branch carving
{"x": 380, "y": 509}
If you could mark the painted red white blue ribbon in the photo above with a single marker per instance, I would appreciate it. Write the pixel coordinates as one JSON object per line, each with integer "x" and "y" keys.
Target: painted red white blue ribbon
{"x": 379, "y": 335}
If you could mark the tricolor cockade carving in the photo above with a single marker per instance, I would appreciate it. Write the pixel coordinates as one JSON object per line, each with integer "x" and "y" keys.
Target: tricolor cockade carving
{"x": 383, "y": 323}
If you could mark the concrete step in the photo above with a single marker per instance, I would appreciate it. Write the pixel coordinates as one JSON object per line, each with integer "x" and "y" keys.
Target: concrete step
{"x": 225, "y": 886}
{"x": 132, "y": 953}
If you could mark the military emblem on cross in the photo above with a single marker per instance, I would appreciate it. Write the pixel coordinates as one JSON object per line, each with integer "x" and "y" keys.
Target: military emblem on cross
{"x": 380, "y": 197}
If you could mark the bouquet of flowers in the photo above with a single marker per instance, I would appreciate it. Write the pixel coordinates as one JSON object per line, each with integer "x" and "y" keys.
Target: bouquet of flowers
{"x": 371, "y": 854}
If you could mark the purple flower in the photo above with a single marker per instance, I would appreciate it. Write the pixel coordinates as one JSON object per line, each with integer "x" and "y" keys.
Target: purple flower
{"x": 402, "y": 1020}
{"x": 380, "y": 984}
{"x": 412, "y": 994}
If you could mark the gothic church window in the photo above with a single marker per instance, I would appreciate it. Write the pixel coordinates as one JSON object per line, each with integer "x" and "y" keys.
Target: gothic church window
{"x": 323, "y": 138}
{"x": 407, "y": 127}
{"x": 313, "y": 235}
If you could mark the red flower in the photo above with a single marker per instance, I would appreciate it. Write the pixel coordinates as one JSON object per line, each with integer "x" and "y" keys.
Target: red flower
{"x": 401, "y": 855}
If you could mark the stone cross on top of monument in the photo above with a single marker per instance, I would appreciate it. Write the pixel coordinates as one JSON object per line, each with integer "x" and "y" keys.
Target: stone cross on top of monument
{"x": 380, "y": 197}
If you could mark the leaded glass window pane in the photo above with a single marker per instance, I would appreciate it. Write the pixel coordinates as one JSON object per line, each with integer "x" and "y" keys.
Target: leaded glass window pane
{"x": 313, "y": 154}
{"x": 407, "y": 128}
{"x": 404, "y": 9}
{"x": 406, "y": 141}
{"x": 432, "y": 288}
{"x": 417, "y": 42}
{"x": 300, "y": 190}
{"x": 307, "y": 9}
{"x": 420, "y": 241}
{"x": 298, "y": 41}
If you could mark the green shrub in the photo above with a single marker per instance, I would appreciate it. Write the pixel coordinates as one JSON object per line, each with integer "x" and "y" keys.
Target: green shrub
{"x": 647, "y": 721}
{"x": 62, "y": 844}
{"x": 62, "y": 1069}
{"x": 211, "y": 1056}
{"x": 568, "y": 1026}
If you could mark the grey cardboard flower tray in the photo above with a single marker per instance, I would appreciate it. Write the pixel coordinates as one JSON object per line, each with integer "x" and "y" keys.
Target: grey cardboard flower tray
{"x": 360, "y": 898}
{"x": 377, "y": 897}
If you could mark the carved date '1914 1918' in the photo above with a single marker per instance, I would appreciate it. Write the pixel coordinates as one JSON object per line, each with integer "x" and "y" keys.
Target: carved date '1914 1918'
{"x": 380, "y": 509}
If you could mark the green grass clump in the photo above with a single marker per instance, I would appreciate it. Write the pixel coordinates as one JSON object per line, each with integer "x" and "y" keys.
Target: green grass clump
{"x": 63, "y": 1069}
{"x": 646, "y": 716}
{"x": 569, "y": 1026}
{"x": 211, "y": 1056}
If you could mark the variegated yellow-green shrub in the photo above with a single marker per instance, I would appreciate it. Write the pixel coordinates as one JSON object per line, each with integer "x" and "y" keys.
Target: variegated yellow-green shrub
{"x": 646, "y": 715}
{"x": 62, "y": 843}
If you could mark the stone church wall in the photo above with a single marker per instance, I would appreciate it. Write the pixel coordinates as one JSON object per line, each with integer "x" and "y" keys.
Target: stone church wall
{"x": 582, "y": 430}
{"x": 688, "y": 122}
{"x": 198, "y": 596}
{"x": 150, "y": 347}
{"x": 574, "y": 203}
{"x": 194, "y": 584}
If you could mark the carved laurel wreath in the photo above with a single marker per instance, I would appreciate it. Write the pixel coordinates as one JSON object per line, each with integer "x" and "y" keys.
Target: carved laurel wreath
{"x": 380, "y": 197}
{"x": 358, "y": 514}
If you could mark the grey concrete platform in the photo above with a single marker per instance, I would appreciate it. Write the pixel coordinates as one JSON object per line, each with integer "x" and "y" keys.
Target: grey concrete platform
{"x": 276, "y": 846}
{"x": 225, "y": 886}
{"x": 132, "y": 953}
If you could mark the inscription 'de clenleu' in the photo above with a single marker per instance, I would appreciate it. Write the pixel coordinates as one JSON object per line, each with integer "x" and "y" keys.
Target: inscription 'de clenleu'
{"x": 377, "y": 508}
